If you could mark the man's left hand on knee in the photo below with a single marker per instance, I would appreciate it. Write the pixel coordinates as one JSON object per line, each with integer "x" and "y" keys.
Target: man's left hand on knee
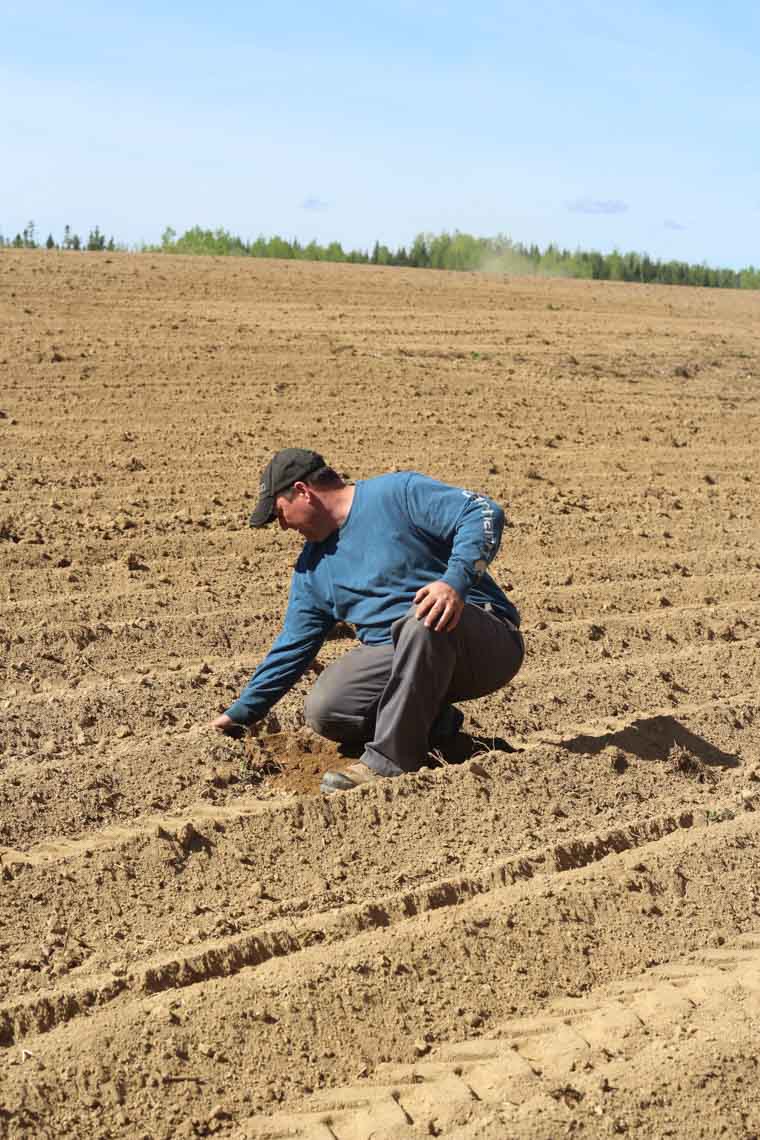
{"x": 438, "y": 606}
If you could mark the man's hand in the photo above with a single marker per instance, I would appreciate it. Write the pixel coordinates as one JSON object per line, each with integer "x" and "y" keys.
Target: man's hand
{"x": 226, "y": 726}
{"x": 439, "y": 606}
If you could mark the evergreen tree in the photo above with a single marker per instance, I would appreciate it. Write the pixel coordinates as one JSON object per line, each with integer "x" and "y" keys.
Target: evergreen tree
{"x": 96, "y": 241}
{"x": 599, "y": 269}
{"x": 419, "y": 255}
{"x": 76, "y": 241}
{"x": 50, "y": 243}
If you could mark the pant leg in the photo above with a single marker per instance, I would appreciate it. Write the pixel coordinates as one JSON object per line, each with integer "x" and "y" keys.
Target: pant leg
{"x": 343, "y": 702}
{"x": 489, "y": 653}
{"x": 428, "y": 668}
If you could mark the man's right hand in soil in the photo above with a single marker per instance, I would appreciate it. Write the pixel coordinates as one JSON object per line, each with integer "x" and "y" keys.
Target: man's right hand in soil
{"x": 226, "y": 726}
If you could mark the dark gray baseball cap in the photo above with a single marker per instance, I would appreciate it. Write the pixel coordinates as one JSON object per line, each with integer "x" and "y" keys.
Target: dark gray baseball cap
{"x": 284, "y": 469}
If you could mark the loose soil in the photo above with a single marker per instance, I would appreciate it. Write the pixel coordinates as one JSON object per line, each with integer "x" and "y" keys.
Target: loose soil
{"x": 552, "y": 929}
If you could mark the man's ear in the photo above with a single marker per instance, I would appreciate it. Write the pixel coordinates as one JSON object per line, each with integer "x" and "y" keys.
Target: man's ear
{"x": 301, "y": 488}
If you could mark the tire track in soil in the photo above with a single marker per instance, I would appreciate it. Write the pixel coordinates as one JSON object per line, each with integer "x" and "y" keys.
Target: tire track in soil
{"x": 384, "y": 989}
{"x": 609, "y": 1063}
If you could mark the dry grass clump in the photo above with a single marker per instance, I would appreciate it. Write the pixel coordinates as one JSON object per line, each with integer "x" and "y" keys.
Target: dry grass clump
{"x": 682, "y": 762}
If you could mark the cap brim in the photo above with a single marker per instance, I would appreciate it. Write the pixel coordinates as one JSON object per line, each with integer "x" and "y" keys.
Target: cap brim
{"x": 264, "y": 512}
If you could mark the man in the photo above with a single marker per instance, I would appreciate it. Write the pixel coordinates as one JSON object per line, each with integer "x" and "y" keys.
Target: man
{"x": 403, "y": 558}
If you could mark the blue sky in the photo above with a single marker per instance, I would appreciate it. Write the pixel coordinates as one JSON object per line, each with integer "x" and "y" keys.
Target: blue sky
{"x": 587, "y": 123}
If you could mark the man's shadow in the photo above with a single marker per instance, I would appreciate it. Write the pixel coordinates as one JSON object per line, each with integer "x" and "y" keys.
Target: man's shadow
{"x": 654, "y": 738}
{"x": 650, "y": 738}
{"x": 456, "y": 750}
{"x": 464, "y": 746}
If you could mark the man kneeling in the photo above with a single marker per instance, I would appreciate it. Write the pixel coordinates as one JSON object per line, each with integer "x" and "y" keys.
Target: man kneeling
{"x": 403, "y": 558}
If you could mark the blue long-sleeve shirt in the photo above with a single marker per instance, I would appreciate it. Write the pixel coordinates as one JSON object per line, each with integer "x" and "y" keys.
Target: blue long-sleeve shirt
{"x": 402, "y": 532}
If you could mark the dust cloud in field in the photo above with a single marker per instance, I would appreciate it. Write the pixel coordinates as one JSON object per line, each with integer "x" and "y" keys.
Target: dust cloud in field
{"x": 510, "y": 263}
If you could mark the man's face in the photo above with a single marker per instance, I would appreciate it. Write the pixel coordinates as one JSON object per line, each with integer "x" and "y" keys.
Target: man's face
{"x": 302, "y": 514}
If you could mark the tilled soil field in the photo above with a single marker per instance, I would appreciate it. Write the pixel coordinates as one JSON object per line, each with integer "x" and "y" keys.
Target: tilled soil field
{"x": 554, "y": 931}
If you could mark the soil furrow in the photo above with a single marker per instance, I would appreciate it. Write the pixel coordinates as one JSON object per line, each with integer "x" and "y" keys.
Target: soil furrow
{"x": 225, "y": 957}
{"x": 178, "y": 766}
{"x": 381, "y": 991}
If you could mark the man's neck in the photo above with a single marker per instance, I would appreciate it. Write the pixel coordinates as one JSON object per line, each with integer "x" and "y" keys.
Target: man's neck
{"x": 339, "y": 504}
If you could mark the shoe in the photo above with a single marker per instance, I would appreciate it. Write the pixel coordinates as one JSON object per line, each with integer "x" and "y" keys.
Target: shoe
{"x": 446, "y": 725}
{"x": 352, "y": 777}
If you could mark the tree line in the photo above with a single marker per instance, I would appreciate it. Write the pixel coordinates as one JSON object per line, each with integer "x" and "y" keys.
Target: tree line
{"x": 465, "y": 252}
{"x": 458, "y": 251}
{"x": 27, "y": 239}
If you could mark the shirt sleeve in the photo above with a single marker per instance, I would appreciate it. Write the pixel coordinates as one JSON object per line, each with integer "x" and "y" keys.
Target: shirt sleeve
{"x": 469, "y": 523}
{"x": 302, "y": 635}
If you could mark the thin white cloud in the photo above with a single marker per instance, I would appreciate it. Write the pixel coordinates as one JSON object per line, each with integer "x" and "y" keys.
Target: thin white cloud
{"x": 597, "y": 206}
{"x": 672, "y": 224}
{"x": 315, "y": 204}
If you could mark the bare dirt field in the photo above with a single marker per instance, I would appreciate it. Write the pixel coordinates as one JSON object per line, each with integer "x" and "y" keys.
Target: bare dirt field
{"x": 559, "y": 936}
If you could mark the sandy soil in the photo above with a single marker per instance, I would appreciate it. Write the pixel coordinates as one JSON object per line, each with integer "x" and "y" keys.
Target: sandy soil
{"x": 558, "y": 936}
